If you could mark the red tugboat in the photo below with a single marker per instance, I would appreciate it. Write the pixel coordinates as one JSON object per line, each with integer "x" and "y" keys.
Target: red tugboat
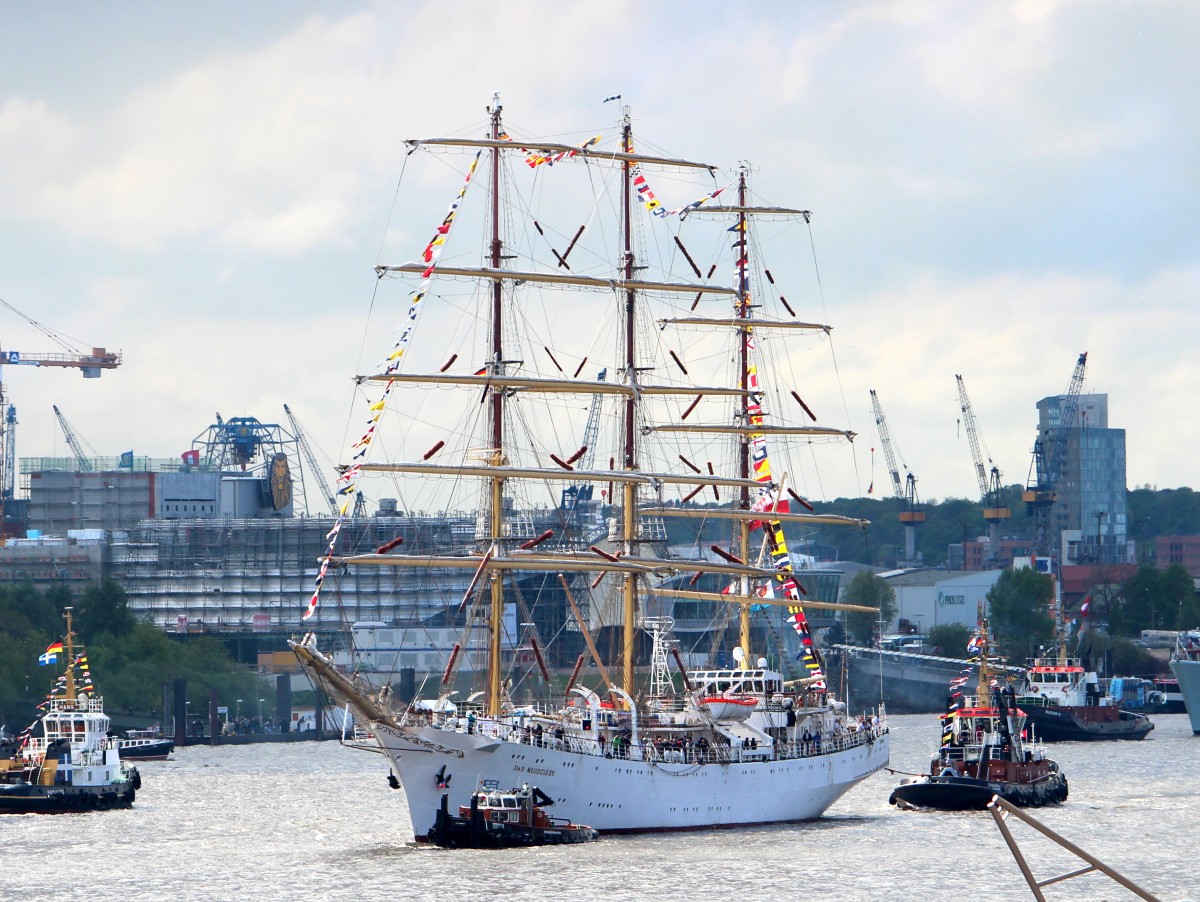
{"x": 984, "y": 753}
{"x": 496, "y": 819}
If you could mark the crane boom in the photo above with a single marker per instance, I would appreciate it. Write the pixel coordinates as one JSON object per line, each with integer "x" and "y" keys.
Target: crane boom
{"x": 311, "y": 460}
{"x": 91, "y": 364}
{"x": 991, "y": 483}
{"x": 964, "y": 404}
{"x": 1067, "y": 420}
{"x": 85, "y": 465}
{"x": 885, "y": 439}
{"x": 1045, "y": 470}
{"x": 591, "y": 432}
{"x": 910, "y": 514}
{"x": 575, "y": 495}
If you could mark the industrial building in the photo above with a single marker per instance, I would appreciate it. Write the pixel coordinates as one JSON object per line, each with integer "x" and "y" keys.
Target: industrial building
{"x": 224, "y": 540}
{"x": 929, "y": 598}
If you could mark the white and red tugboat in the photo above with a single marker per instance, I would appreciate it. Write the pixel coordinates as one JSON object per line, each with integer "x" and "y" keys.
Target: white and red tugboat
{"x": 984, "y": 753}
{"x": 1064, "y": 702}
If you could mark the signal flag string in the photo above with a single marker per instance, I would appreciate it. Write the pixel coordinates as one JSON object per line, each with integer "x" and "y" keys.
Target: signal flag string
{"x": 348, "y": 479}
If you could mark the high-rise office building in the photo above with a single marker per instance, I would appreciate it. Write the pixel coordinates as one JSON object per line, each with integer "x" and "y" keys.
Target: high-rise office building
{"x": 1090, "y": 490}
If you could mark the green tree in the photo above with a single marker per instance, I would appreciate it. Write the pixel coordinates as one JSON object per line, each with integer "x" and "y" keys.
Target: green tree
{"x": 1019, "y": 606}
{"x": 868, "y": 589}
{"x": 1178, "y": 599}
{"x": 103, "y": 610}
{"x": 131, "y": 670}
{"x": 129, "y": 660}
{"x": 1141, "y": 604}
{"x": 951, "y": 638}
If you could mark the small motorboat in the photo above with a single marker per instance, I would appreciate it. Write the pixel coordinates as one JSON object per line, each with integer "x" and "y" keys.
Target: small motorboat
{"x": 144, "y": 745}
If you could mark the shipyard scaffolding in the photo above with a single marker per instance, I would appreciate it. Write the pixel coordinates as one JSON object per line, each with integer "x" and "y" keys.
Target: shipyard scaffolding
{"x": 238, "y": 575}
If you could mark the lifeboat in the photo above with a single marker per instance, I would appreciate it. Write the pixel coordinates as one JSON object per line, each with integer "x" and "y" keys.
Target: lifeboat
{"x": 729, "y": 707}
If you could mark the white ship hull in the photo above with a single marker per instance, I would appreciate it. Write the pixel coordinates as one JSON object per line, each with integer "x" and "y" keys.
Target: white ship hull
{"x": 620, "y": 795}
{"x": 1188, "y": 674}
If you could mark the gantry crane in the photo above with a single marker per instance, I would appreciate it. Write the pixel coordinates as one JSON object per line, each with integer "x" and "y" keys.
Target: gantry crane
{"x": 991, "y": 486}
{"x": 1046, "y": 470}
{"x": 311, "y": 460}
{"x": 91, "y": 365}
{"x": 906, "y": 492}
{"x": 85, "y": 465}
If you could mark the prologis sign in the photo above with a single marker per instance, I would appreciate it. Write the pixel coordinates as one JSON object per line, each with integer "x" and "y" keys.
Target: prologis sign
{"x": 945, "y": 600}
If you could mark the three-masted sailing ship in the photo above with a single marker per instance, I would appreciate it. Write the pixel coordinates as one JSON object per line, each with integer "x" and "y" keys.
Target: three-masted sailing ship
{"x": 700, "y": 746}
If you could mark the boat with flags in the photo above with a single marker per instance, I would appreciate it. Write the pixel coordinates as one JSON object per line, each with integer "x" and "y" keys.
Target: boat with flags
{"x": 65, "y": 761}
{"x": 662, "y": 739}
{"x": 984, "y": 750}
{"x": 1064, "y": 698}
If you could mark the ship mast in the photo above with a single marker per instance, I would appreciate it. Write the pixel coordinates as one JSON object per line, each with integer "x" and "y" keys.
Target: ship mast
{"x": 70, "y": 674}
{"x": 629, "y": 489}
{"x": 496, "y": 426}
{"x": 984, "y": 693}
{"x": 742, "y": 312}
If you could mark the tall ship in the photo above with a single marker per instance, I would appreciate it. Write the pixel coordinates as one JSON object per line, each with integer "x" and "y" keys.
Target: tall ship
{"x": 984, "y": 750}
{"x": 65, "y": 760}
{"x": 1185, "y": 664}
{"x": 664, "y": 739}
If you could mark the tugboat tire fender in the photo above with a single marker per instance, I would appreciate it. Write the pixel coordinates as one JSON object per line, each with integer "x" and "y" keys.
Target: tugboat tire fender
{"x": 135, "y": 779}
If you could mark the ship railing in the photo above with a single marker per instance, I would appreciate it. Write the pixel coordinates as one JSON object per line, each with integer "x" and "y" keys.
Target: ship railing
{"x": 89, "y": 704}
{"x": 715, "y": 752}
{"x": 1036, "y": 701}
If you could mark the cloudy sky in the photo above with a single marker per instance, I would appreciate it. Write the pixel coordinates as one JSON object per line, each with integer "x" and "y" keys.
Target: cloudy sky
{"x": 997, "y": 187}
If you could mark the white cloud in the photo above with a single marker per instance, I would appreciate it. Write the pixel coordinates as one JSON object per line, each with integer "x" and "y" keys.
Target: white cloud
{"x": 996, "y": 187}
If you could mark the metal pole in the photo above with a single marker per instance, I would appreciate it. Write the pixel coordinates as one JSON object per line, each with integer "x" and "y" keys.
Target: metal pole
{"x": 997, "y": 805}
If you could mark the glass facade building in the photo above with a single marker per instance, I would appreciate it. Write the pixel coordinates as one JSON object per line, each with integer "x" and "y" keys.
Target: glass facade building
{"x": 1090, "y": 489}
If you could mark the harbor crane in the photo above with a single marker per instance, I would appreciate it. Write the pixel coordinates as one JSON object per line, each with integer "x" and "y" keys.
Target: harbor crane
{"x": 991, "y": 486}
{"x": 311, "y": 460}
{"x": 906, "y": 492}
{"x": 91, "y": 364}
{"x": 85, "y": 465}
{"x": 1045, "y": 469}
{"x": 575, "y": 495}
